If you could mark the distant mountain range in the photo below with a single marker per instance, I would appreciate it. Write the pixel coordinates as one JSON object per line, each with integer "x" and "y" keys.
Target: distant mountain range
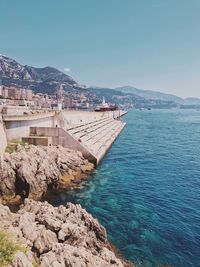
{"x": 145, "y": 98}
{"x": 44, "y": 80}
{"x": 149, "y": 94}
{"x": 48, "y": 80}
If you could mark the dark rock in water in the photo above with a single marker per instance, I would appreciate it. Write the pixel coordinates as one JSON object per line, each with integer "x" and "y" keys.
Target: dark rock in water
{"x": 58, "y": 236}
{"x": 33, "y": 171}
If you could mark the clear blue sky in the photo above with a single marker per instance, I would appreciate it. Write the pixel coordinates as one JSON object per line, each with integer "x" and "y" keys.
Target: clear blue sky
{"x": 150, "y": 44}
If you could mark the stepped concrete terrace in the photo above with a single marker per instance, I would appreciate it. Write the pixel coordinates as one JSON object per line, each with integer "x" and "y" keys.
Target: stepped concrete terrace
{"x": 97, "y": 135}
{"x": 92, "y": 133}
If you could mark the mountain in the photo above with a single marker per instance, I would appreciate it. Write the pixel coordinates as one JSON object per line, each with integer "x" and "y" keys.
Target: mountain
{"x": 192, "y": 101}
{"x": 149, "y": 94}
{"x": 139, "y": 98}
{"x": 129, "y": 99}
{"x": 110, "y": 94}
{"x": 44, "y": 80}
{"x": 49, "y": 80}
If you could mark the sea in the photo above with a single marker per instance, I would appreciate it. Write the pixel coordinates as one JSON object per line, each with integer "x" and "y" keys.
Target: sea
{"x": 146, "y": 191}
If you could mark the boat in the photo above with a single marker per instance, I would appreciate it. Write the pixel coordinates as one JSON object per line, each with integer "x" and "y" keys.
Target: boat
{"x": 105, "y": 107}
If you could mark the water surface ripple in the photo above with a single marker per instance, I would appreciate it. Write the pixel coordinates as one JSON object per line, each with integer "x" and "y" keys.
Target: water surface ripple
{"x": 146, "y": 191}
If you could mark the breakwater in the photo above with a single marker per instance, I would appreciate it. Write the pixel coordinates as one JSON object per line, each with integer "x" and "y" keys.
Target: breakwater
{"x": 88, "y": 132}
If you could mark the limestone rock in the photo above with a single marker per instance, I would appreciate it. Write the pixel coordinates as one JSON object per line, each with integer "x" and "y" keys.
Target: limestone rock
{"x": 23, "y": 260}
{"x": 32, "y": 171}
{"x": 58, "y": 236}
{"x": 45, "y": 240}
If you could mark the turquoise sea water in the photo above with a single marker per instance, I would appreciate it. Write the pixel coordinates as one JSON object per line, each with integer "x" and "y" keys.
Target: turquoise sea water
{"x": 146, "y": 191}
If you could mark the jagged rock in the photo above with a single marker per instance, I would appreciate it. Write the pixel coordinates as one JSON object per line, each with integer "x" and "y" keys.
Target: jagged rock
{"x": 76, "y": 239}
{"x": 28, "y": 227}
{"x": 45, "y": 241}
{"x": 23, "y": 260}
{"x": 31, "y": 172}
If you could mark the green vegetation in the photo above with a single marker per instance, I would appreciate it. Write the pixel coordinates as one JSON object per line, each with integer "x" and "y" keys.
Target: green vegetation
{"x": 12, "y": 145}
{"x": 36, "y": 263}
{"x": 8, "y": 248}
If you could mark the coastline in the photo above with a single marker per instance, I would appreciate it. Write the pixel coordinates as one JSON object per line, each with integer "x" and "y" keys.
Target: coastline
{"x": 67, "y": 180}
{"x": 34, "y": 171}
{"x": 57, "y": 236}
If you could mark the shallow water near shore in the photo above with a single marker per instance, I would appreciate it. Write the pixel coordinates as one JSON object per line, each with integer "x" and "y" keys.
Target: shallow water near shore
{"x": 146, "y": 191}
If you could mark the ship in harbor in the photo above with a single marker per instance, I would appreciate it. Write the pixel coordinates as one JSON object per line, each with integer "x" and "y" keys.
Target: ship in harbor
{"x": 105, "y": 107}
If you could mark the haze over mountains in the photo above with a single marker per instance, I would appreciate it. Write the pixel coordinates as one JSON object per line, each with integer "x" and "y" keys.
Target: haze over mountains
{"x": 48, "y": 80}
{"x": 145, "y": 98}
{"x": 149, "y": 94}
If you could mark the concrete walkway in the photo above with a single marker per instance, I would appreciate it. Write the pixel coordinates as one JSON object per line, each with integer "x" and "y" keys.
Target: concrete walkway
{"x": 97, "y": 131}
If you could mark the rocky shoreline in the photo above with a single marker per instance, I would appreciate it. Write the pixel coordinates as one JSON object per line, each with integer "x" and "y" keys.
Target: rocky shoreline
{"x": 51, "y": 236}
{"x": 58, "y": 237}
{"x": 31, "y": 172}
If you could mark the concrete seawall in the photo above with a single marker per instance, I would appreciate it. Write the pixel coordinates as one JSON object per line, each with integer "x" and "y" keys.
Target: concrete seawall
{"x": 3, "y": 141}
{"x": 91, "y": 133}
{"x": 88, "y": 132}
{"x": 96, "y": 130}
{"x": 19, "y": 126}
{"x": 61, "y": 137}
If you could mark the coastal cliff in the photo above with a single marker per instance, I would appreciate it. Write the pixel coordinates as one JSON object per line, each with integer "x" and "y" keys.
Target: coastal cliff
{"x": 31, "y": 172}
{"x": 57, "y": 236}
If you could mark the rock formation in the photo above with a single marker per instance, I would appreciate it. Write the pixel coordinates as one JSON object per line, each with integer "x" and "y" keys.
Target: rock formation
{"x": 58, "y": 236}
{"x": 31, "y": 172}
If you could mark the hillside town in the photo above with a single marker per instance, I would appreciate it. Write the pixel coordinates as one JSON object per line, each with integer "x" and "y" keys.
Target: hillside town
{"x": 16, "y": 96}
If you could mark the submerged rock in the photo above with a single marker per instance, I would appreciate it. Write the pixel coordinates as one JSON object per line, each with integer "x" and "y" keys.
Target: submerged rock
{"x": 58, "y": 236}
{"x": 31, "y": 172}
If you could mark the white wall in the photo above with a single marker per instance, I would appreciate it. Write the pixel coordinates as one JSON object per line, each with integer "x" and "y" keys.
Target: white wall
{"x": 19, "y": 129}
{"x": 3, "y": 141}
{"x": 63, "y": 138}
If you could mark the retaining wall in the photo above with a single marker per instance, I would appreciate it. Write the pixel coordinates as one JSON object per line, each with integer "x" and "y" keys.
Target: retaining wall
{"x": 16, "y": 129}
{"x": 63, "y": 138}
{"x": 3, "y": 141}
